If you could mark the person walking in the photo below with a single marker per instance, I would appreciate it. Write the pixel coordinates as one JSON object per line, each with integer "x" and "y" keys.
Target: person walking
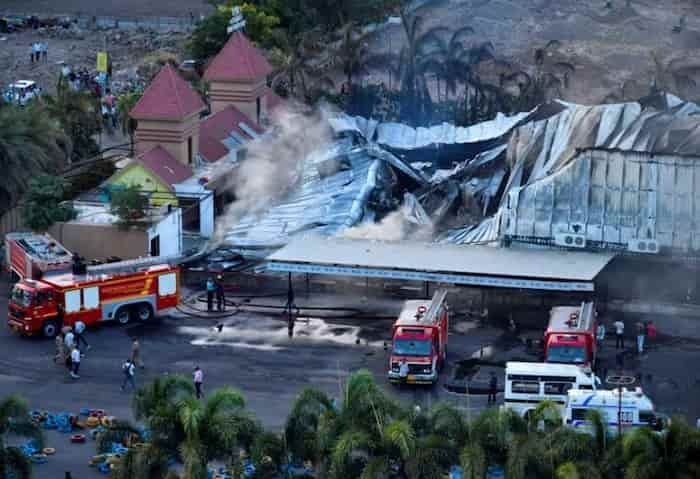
{"x": 641, "y": 333}
{"x": 403, "y": 372}
{"x": 600, "y": 335}
{"x": 651, "y": 332}
{"x": 619, "y": 334}
{"x": 493, "y": 388}
{"x": 136, "y": 353}
{"x": 211, "y": 289}
{"x": 68, "y": 340}
{"x": 129, "y": 370}
{"x": 60, "y": 355}
{"x": 79, "y": 336}
{"x": 75, "y": 363}
{"x": 44, "y": 51}
{"x": 198, "y": 377}
{"x": 220, "y": 294}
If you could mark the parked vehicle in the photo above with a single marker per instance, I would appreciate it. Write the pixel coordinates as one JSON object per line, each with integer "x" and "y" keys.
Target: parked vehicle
{"x": 633, "y": 407}
{"x": 420, "y": 338}
{"x": 127, "y": 290}
{"x": 528, "y": 384}
{"x": 21, "y": 92}
{"x": 30, "y": 255}
{"x": 570, "y": 335}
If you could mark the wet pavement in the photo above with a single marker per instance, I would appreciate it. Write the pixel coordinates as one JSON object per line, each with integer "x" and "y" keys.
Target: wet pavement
{"x": 253, "y": 353}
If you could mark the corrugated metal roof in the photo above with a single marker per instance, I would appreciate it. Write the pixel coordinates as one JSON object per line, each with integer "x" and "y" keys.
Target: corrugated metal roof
{"x": 431, "y": 257}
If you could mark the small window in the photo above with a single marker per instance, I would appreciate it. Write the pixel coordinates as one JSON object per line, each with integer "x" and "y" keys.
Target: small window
{"x": 525, "y": 387}
{"x": 167, "y": 284}
{"x": 91, "y": 298}
{"x": 557, "y": 388}
{"x": 73, "y": 301}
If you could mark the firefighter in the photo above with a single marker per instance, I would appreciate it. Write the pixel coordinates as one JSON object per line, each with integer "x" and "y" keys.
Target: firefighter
{"x": 220, "y": 296}
{"x": 211, "y": 289}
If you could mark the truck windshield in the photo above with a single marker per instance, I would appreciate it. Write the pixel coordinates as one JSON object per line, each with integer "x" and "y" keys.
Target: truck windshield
{"x": 566, "y": 354}
{"x": 411, "y": 347}
{"x": 22, "y": 297}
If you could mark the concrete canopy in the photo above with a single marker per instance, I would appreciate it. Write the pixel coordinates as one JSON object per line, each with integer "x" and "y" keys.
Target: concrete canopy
{"x": 470, "y": 265}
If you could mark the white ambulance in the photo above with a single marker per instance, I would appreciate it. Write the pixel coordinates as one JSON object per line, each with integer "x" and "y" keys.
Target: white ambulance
{"x": 633, "y": 406}
{"x": 528, "y": 384}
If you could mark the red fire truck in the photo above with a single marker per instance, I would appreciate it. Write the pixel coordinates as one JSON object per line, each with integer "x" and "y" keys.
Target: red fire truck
{"x": 134, "y": 289}
{"x": 30, "y": 255}
{"x": 570, "y": 335}
{"x": 420, "y": 338}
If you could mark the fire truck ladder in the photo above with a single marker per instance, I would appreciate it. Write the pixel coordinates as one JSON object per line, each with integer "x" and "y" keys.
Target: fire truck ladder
{"x": 435, "y": 304}
{"x": 133, "y": 265}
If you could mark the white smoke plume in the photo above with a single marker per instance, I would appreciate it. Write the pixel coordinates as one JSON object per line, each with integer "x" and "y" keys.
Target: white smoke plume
{"x": 271, "y": 167}
{"x": 396, "y": 226}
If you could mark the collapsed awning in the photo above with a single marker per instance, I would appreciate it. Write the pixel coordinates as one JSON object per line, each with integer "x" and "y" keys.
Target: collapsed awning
{"x": 473, "y": 265}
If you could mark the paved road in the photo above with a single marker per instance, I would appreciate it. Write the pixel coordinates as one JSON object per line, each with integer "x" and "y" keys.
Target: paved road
{"x": 254, "y": 354}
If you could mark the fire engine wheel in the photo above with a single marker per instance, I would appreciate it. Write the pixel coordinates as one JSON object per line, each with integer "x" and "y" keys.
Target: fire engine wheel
{"x": 49, "y": 329}
{"x": 144, "y": 312}
{"x": 123, "y": 316}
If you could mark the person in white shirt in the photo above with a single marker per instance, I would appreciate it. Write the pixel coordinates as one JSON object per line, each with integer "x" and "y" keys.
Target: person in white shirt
{"x": 129, "y": 370}
{"x": 69, "y": 340}
{"x": 79, "y": 329}
{"x": 75, "y": 363}
{"x": 403, "y": 371}
{"x": 198, "y": 380}
{"x": 619, "y": 334}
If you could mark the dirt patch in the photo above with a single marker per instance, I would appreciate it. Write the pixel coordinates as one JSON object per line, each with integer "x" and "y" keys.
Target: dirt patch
{"x": 123, "y": 8}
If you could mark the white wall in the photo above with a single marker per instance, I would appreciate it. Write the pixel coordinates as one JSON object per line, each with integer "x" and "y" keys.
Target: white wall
{"x": 170, "y": 231}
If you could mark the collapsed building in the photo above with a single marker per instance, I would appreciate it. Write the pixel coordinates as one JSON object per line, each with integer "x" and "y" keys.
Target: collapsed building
{"x": 620, "y": 177}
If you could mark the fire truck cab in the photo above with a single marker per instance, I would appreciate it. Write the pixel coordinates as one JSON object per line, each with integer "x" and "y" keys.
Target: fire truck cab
{"x": 420, "y": 338}
{"x": 61, "y": 299}
{"x": 570, "y": 335}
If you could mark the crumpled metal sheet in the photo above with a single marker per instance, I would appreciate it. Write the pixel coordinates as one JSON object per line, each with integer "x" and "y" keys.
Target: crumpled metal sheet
{"x": 319, "y": 203}
{"x": 403, "y": 137}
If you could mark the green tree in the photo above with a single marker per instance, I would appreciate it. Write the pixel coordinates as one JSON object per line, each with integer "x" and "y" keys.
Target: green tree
{"x": 15, "y": 421}
{"x": 30, "y": 143}
{"x": 125, "y": 103}
{"x": 671, "y": 454}
{"x": 129, "y": 204}
{"x": 352, "y": 52}
{"x": 291, "y": 58}
{"x": 43, "y": 203}
{"x": 78, "y": 114}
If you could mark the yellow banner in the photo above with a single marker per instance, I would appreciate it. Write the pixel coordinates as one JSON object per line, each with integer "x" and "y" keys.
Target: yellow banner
{"x": 102, "y": 62}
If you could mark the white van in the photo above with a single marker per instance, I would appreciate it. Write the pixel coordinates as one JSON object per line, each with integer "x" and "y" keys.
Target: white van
{"x": 528, "y": 384}
{"x": 636, "y": 409}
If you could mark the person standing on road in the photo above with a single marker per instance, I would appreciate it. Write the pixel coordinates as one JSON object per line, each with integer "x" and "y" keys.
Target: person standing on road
{"x": 136, "y": 353}
{"x": 600, "y": 335}
{"x": 59, "y": 357}
{"x": 211, "y": 289}
{"x": 220, "y": 294}
{"x": 79, "y": 330}
{"x": 651, "y": 332}
{"x": 75, "y": 363}
{"x": 403, "y": 372}
{"x": 493, "y": 388}
{"x": 128, "y": 369}
{"x": 198, "y": 380}
{"x": 619, "y": 334}
{"x": 641, "y": 333}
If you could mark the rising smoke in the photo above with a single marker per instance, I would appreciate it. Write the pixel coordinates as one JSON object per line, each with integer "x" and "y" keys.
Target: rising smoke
{"x": 272, "y": 166}
{"x": 396, "y": 226}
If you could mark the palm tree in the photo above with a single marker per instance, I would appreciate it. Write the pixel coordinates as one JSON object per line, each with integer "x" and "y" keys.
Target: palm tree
{"x": 128, "y": 125}
{"x": 310, "y": 411}
{"x": 671, "y": 454}
{"x": 78, "y": 114}
{"x": 352, "y": 52}
{"x": 30, "y": 143}
{"x": 291, "y": 58}
{"x": 14, "y": 420}
{"x": 215, "y": 428}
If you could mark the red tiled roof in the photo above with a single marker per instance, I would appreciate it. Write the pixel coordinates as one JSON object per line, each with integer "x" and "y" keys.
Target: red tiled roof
{"x": 238, "y": 60}
{"x": 168, "y": 97}
{"x": 164, "y": 166}
{"x": 216, "y": 127}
